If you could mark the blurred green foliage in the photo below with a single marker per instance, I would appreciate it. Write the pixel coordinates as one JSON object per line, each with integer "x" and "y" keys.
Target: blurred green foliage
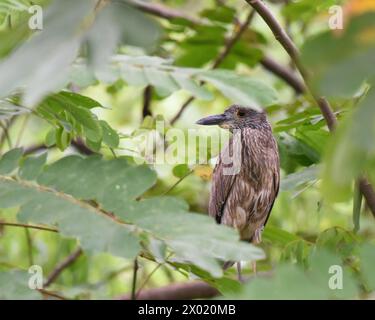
{"x": 74, "y": 114}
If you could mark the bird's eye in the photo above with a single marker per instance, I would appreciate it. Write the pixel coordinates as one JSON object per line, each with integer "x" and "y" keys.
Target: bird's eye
{"x": 240, "y": 113}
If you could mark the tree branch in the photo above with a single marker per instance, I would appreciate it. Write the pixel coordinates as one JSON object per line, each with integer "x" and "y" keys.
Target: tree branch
{"x": 229, "y": 44}
{"x": 177, "y": 291}
{"x": 281, "y": 35}
{"x": 323, "y": 104}
{"x": 284, "y": 73}
{"x": 164, "y": 12}
{"x": 369, "y": 194}
{"x": 62, "y": 266}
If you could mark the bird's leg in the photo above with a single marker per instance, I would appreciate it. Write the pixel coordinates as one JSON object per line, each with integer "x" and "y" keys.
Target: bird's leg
{"x": 240, "y": 279}
{"x": 254, "y": 267}
{"x": 257, "y": 239}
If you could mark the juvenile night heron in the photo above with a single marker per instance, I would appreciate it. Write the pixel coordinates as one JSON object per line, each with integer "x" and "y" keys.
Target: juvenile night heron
{"x": 243, "y": 198}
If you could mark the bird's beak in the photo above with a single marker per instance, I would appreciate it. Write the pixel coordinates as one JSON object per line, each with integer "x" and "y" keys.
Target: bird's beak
{"x": 212, "y": 120}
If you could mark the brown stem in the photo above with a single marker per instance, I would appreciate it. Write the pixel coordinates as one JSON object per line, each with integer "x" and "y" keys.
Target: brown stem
{"x": 47, "y": 293}
{"x": 134, "y": 280}
{"x": 323, "y": 104}
{"x": 369, "y": 194}
{"x": 62, "y": 266}
{"x": 293, "y": 52}
{"x": 284, "y": 73}
{"x": 233, "y": 40}
{"x": 229, "y": 44}
{"x": 147, "y": 101}
{"x": 30, "y": 226}
{"x": 177, "y": 291}
{"x": 164, "y": 12}
{"x": 80, "y": 146}
{"x": 279, "y": 33}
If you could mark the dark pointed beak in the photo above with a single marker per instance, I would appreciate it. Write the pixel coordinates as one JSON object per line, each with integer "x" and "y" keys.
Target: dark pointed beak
{"x": 212, "y": 120}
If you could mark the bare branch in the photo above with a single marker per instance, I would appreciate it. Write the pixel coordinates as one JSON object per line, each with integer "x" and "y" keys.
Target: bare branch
{"x": 134, "y": 280}
{"x": 284, "y": 73}
{"x": 30, "y": 226}
{"x": 323, "y": 104}
{"x": 164, "y": 12}
{"x": 281, "y": 35}
{"x": 368, "y": 193}
{"x": 177, "y": 291}
{"x": 62, "y": 266}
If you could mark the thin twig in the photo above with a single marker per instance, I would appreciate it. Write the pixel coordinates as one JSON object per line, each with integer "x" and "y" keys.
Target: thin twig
{"x": 30, "y": 226}
{"x": 5, "y": 135}
{"x": 165, "y": 12}
{"x": 150, "y": 275}
{"x": 233, "y": 40}
{"x": 62, "y": 266}
{"x": 369, "y": 194}
{"x": 281, "y": 35}
{"x": 284, "y": 73}
{"x": 229, "y": 44}
{"x": 52, "y": 294}
{"x": 134, "y": 281}
{"x": 178, "y": 182}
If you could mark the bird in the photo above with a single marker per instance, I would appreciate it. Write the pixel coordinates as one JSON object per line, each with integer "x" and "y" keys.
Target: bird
{"x": 242, "y": 195}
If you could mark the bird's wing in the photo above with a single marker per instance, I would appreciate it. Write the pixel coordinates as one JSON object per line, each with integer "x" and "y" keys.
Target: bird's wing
{"x": 274, "y": 192}
{"x": 222, "y": 185}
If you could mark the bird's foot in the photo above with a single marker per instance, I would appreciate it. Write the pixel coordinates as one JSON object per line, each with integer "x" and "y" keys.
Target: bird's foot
{"x": 254, "y": 267}
{"x": 258, "y": 235}
{"x": 239, "y": 274}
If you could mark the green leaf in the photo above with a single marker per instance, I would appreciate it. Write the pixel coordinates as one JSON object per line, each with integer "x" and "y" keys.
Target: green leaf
{"x": 110, "y": 136}
{"x": 9, "y": 109}
{"x": 42, "y": 64}
{"x": 146, "y": 70}
{"x": 9, "y": 161}
{"x": 278, "y": 236}
{"x": 300, "y": 178}
{"x": 241, "y": 89}
{"x": 180, "y": 170}
{"x": 290, "y": 282}
{"x": 74, "y": 218}
{"x": 32, "y": 166}
{"x": 75, "y": 99}
{"x": 221, "y": 13}
{"x": 367, "y": 254}
{"x": 193, "y": 237}
{"x": 48, "y": 53}
{"x": 332, "y": 57}
{"x": 14, "y": 285}
{"x": 350, "y": 151}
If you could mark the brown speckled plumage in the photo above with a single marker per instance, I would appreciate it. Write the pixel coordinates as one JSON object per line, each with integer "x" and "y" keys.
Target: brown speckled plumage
{"x": 244, "y": 200}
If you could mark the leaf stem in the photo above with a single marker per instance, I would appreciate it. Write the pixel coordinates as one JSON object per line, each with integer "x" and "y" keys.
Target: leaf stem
{"x": 134, "y": 281}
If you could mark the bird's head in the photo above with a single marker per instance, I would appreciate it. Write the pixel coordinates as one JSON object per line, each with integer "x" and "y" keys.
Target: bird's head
{"x": 237, "y": 117}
